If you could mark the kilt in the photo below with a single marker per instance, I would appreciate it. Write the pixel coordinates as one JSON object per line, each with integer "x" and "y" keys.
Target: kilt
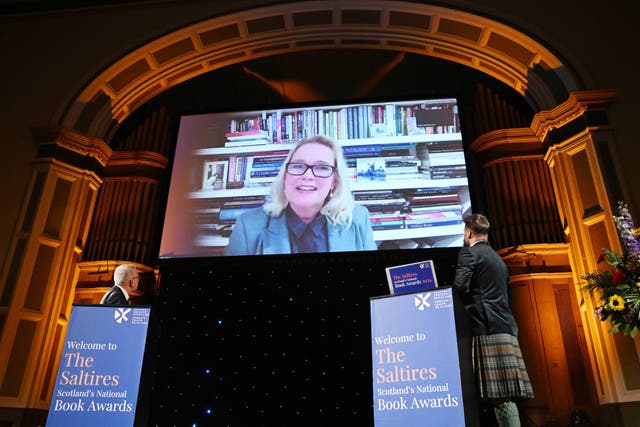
{"x": 499, "y": 367}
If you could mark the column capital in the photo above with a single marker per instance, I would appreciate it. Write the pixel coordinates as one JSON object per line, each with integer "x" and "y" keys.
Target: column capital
{"x": 71, "y": 147}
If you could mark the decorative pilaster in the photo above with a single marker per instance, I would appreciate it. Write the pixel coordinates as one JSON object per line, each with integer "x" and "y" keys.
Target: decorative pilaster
{"x": 37, "y": 281}
{"x": 578, "y": 137}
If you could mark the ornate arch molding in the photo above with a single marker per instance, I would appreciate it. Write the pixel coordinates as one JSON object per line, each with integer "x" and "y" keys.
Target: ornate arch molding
{"x": 484, "y": 44}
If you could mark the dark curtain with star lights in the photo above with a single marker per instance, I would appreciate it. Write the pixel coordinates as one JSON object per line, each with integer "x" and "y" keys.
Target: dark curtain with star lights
{"x": 274, "y": 340}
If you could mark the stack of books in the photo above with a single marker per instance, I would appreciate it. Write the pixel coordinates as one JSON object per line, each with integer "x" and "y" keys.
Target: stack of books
{"x": 386, "y": 208}
{"x": 442, "y": 159}
{"x": 428, "y": 207}
{"x": 248, "y": 137}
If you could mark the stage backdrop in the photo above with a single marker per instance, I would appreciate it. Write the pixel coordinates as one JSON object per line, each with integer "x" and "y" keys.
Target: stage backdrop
{"x": 416, "y": 371}
{"x": 99, "y": 373}
{"x": 283, "y": 339}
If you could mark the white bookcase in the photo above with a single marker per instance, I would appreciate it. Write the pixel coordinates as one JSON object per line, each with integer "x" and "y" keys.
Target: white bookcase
{"x": 396, "y": 134}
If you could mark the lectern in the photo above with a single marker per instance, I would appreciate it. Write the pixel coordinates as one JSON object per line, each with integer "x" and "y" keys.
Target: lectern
{"x": 421, "y": 361}
{"x": 100, "y": 367}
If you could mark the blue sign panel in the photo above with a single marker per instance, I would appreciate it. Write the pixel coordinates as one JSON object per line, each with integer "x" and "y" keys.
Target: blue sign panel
{"x": 414, "y": 277}
{"x": 416, "y": 372}
{"x": 99, "y": 372}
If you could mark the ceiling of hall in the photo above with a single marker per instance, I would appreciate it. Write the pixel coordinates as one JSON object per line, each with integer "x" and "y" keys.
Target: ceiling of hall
{"x": 488, "y": 46}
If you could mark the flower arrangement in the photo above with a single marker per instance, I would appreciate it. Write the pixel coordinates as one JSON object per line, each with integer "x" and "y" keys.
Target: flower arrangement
{"x": 619, "y": 287}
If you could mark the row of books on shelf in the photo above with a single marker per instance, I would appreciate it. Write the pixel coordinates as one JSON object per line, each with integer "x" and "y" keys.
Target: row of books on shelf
{"x": 417, "y": 208}
{"x": 416, "y": 220}
{"x": 367, "y": 162}
{"x": 355, "y": 122}
{"x": 379, "y": 169}
{"x": 436, "y": 152}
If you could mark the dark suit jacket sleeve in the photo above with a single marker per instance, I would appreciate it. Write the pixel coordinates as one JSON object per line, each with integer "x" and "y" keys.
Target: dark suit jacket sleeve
{"x": 482, "y": 280}
{"x": 115, "y": 297}
{"x": 464, "y": 271}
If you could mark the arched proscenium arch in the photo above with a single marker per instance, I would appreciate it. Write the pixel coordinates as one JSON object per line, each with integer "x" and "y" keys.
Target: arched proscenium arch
{"x": 486, "y": 45}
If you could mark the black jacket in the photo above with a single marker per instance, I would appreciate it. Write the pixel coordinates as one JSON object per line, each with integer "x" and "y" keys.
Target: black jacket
{"x": 482, "y": 280}
{"x": 115, "y": 296}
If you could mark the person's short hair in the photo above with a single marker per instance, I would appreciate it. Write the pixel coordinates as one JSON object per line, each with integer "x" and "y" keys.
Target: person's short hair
{"x": 478, "y": 223}
{"x": 123, "y": 272}
{"x": 338, "y": 208}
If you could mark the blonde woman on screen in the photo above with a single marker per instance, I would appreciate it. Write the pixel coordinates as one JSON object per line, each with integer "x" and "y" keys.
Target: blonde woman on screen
{"x": 311, "y": 208}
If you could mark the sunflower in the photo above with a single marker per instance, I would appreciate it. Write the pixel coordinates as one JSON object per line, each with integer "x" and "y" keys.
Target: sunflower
{"x": 616, "y": 303}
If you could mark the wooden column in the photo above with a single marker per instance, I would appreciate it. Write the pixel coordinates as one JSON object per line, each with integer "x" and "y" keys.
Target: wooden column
{"x": 578, "y": 137}
{"x": 37, "y": 280}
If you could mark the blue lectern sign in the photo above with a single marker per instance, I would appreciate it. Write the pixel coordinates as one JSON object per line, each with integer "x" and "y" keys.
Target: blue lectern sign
{"x": 416, "y": 371}
{"x": 99, "y": 372}
{"x": 407, "y": 278}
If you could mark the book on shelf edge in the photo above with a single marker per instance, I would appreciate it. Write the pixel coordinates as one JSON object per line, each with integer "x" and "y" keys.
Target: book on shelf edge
{"x": 435, "y": 208}
{"x": 246, "y": 133}
{"x": 418, "y": 201}
{"x": 434, "y": 216}
{"x": 373, "y": 198}
{"x": 266, "y": 165}
{"x": 361, "y": 149}
{"x": 372, "y": 192}
{"x": 411, "y": 224}
{"x": 378, "y": 227}
{"x": 383, "y": 203}
{"x": 385, "y": 209}
{"x": 386, "y": 217}
{"x": 247, "y": 143}
{"x": 438, "y": 176}
{"x": 432, "y": 190}
{"x": 272, "y": 173}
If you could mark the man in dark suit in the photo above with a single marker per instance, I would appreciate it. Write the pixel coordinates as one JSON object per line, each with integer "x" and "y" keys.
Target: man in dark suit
{"x": 125, "y": 279}
{"x": 482, "y": 281}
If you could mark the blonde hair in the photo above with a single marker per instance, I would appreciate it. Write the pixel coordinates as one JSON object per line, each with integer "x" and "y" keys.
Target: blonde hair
{"x": 338, "y": 207}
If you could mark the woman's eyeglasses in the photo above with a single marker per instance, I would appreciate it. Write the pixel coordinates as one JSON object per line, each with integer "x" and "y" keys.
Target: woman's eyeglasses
{"x": 320, "y": 171}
